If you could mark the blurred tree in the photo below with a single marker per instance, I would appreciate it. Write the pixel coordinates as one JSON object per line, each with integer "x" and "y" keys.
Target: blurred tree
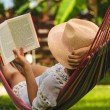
{"x": 88, "y": 9}
{"x": 1, "y": 8}
{"x": 36, "y": 7}
{"x": 102, "y": 7}
{"x": 97, "y": 9}
{"x": 70, "y": 8}
{"x": 1, "y": 12}
{"x": 20, "y": 6}
{"x": 62, "y": 10}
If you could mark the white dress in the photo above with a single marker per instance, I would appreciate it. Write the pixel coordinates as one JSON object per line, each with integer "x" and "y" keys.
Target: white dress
{"x": 49, "y": 85}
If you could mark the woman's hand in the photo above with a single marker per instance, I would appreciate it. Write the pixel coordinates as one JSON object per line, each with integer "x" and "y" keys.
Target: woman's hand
{"x": 76, "y": 56}
{"x": 32, "y": 87}
{"x": 19, "y": 56}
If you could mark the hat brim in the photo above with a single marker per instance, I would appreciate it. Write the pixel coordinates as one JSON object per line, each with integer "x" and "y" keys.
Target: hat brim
{"x": 56, "y": 46}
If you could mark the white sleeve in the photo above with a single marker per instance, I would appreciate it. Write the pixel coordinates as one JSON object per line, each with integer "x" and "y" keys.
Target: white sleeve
{"x": 47, "y": 94}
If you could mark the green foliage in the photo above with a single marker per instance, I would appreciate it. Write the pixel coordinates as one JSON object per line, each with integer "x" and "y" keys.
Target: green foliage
{"x": 68, "y": 9}
{"x": 40, "y": 8}
{"x": 22, "y": 9}
{"x": 65, "y": 9}
{"x": 19, "y": 3}
{"x": 102, "y": 6}
{"x": 1, "y": 8}
{"x": 74, "y": 8}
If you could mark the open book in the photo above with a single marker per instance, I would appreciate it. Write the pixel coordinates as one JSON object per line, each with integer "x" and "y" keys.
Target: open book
{"x": 15, "y": 33}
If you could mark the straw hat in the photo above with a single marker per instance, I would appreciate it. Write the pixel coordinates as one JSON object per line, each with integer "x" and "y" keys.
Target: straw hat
{"x": 65, "y": 37}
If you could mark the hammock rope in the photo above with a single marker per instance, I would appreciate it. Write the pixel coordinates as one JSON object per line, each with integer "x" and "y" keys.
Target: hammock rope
{"x": 100, "y": 41}
{"x": 17, "y": 102}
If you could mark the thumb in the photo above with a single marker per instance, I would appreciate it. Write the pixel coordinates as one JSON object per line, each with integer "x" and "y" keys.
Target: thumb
{"x": 21, "y": 51}
{"x": 82, "y": 51}
{"x": 16, "y": 52}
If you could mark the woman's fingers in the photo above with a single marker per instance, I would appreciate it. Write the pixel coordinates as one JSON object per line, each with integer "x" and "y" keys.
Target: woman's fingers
{"x": 73, "y": 64}
{"x": 22, "y": 51}
{"x": 19, "y": 52}
{"x": 18, "y": 57}
{"x": 74, "y": 60}
{"x": 16, "y": 52}
{"x": 74, "y": 56}
{"x": 81, "y": 51}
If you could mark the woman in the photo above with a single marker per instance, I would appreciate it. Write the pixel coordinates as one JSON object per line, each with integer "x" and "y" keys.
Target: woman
{"x": 39, "y": 86}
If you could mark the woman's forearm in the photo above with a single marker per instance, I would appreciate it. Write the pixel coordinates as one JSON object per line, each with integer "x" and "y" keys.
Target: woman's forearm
{"x": 32, "y": 87}
{"x": 28, "y": 73}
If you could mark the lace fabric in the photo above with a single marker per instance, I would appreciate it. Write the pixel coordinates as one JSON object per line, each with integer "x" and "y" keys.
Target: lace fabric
{"x": 49, "y": 85}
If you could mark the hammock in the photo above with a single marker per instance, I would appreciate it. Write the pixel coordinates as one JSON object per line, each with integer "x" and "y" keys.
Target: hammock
{"x": 85, "y": 77}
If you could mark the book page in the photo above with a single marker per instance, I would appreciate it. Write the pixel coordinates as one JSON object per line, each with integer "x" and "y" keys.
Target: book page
{"x": 6, "y": 43}
{"x": 23, "y": 32}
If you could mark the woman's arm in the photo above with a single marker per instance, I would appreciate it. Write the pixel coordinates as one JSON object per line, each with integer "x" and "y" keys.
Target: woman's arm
{"x": 32, "y": 87}
{"x": 38, "y": 69}
{"x": 31, "y": 83}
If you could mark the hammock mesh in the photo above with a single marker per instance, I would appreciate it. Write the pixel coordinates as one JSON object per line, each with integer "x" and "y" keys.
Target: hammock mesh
{"x": 89, "y": 72}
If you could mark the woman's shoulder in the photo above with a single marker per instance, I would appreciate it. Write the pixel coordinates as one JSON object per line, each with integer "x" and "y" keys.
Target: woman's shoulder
{"x": 57, "y": 66}
{"x": 57, "y": 72}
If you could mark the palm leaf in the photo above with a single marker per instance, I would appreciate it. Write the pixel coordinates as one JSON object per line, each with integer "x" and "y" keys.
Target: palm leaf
{"x": 65, "y": 9}
{"x": 22, "y": 9}
{"x": 69, "y": 9}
